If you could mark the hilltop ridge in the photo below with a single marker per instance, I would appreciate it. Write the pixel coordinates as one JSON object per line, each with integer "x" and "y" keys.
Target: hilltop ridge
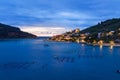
{"x": 8, "y": 32}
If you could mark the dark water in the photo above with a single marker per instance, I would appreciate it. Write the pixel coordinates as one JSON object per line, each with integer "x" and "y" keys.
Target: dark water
{"x": 36, "y": 59}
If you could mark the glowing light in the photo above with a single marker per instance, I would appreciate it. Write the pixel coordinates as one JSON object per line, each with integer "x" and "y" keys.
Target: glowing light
{"x": 100, "y": 42}
{"x": 83, "y": 41}
{"x": 111, "y": 47}
{"x": 112, "y": 43}
{"x": 94, "y": 42}
{"x": 101, "y": 46}
{"x": 83, "y": 44}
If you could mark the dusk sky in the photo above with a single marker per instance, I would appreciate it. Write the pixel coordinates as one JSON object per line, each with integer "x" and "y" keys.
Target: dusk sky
{"x": 50, "y": 17}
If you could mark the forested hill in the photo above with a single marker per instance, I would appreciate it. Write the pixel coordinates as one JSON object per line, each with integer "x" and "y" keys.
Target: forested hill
{"x": 8, "y": 32}
{"x": 108, "y": 25}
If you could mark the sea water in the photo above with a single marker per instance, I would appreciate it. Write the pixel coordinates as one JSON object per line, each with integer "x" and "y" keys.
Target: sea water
{"x": 38, "y": 59}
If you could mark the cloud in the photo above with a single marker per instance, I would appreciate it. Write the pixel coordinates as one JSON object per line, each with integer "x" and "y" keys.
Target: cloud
{"x": 54, "y": 13}
{"x": 44, "y": 31}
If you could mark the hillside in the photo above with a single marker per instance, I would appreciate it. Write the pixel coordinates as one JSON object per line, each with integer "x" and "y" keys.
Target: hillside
{"x": 108, "y": 25}
{"x": 73, "y": 36}
{"x": 107, "y": 31}
{"x": 7, "y": 32}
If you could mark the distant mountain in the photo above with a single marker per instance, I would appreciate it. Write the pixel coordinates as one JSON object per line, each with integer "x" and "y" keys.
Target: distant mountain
{"x": 7, "y": 32}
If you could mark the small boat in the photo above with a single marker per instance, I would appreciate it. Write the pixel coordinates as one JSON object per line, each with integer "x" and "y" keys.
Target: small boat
{"x": 46, "y": 45}
{"x": 118, "y": 71}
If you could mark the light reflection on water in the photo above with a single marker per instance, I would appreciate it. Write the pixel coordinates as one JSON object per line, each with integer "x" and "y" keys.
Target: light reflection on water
{"x": 37, "y": 59}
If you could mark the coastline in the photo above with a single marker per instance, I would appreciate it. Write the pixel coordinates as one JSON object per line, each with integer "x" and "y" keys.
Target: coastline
{"x": 91, "y": 44}
{"x": 105, "y": 44}
{"x": 116, "y": 44}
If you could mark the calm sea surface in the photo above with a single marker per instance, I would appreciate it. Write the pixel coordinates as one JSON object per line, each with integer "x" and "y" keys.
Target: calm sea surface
{"x": 36, "y": 59}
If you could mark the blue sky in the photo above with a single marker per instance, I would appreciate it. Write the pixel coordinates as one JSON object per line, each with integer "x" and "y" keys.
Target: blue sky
{"x": 51, "y": 16}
